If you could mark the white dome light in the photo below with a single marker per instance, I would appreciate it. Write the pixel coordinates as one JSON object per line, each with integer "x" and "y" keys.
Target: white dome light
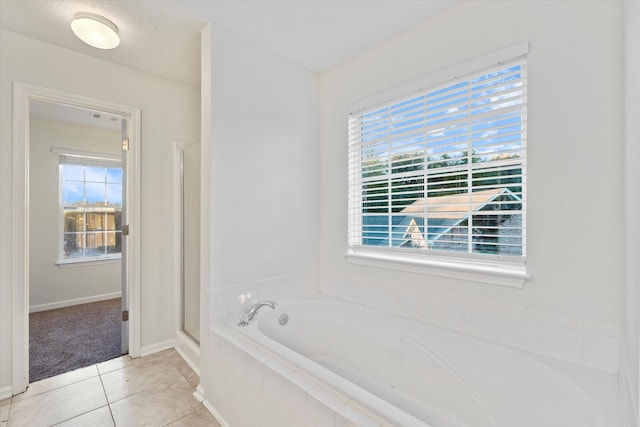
{"x": 95, "y": 30}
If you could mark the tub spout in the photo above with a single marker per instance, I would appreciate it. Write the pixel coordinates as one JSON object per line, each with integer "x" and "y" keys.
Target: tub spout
{"x": 247, "y": 317}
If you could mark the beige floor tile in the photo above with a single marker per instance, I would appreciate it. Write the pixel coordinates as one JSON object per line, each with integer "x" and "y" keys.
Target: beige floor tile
{"x": 4, "y": 414}
{"x": 117, "y": 363}
{"x": 58, "y": 381}
{"x": 179, "y": 362}
{"x": 198, "y": 418}
{"x": 157, "y": 406}
{"x": 139, "y": 377}
{"x": 58, "y": 405}
{"x": 154, "y": 390}
{"x": 166, "y": 353}
{"x": 192, "y": 377}
{"x": 101, "y": 417}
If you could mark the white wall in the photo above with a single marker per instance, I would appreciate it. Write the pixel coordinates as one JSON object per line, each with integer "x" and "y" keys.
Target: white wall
{"x": 264, "y": 184}
{"x": 575, "y": 159}
{"x": 632, "y": 200}
{"x": 265, "y": 181}
{"x": 50, "y": 285}
{"x": 170, "y": 112}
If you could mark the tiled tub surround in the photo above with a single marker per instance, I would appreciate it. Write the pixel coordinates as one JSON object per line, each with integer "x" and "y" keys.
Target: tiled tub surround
{"x": 253, "y": 387}
{"x": 300, "y": 392}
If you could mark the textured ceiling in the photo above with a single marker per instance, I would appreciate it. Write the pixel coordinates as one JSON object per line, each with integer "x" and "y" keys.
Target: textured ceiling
{"x": 152, "y": 39}
{"x": 163, "y": 36}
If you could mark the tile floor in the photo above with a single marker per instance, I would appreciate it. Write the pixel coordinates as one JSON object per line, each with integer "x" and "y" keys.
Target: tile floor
{"x": 155, "y": 390}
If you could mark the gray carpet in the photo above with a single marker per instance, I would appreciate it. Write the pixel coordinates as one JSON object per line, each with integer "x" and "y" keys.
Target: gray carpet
{"x": 69, "y": 338}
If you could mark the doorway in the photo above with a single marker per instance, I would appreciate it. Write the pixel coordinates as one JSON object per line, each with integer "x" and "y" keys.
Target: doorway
{"x": 75, "y": 240}
{"x": 24, "y": 97}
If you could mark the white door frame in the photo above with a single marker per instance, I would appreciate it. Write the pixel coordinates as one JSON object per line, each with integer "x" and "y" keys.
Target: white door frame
{"x": 22, "y": 94}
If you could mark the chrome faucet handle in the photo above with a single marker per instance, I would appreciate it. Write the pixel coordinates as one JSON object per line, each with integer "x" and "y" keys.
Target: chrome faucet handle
{"x": 248, "y": 316}
{"x": 244, "y": 320}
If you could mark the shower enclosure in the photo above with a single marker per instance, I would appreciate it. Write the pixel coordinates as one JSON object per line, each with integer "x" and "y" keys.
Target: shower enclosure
{"x": 189, "y": 189}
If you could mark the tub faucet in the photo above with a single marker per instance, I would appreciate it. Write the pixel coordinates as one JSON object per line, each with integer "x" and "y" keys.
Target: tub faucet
{"x": 247, "y": 317}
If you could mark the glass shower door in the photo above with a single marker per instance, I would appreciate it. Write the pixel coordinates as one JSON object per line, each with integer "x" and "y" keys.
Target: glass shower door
{"x": 190, "y": 186}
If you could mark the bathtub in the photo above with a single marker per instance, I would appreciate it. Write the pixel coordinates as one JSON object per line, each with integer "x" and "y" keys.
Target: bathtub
{"x": 413, "y": 374}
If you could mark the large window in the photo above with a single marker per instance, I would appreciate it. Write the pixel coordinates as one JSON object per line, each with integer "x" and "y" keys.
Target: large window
{"x": 442, "y": 171}
{"x": 91, "y": 208}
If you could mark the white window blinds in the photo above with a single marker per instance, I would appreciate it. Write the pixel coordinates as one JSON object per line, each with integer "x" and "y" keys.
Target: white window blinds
{"x": 81, "y": 160}
{"x": 443, "y": 170}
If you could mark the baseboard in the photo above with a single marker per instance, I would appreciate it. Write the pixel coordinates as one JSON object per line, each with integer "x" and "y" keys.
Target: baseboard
{"x": 215, "y": 413}
{"x": 189, "y": 350}
{"x": 72, "y": 302}
{"x": 199, "y": 393}
{"x": 157, "y": 347}
{"x": 5, "y": 393}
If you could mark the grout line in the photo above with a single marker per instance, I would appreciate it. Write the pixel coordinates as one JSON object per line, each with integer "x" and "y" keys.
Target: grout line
{"x": 54, "y": 388}
{"x": 9, "y": 412}
{"x": 167, "y": 356}
{"x": 79, "y": 415}
{"x": 106, "y": 397}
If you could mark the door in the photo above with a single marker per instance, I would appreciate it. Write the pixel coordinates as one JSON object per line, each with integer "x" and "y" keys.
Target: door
{"x": 124, "y": 236}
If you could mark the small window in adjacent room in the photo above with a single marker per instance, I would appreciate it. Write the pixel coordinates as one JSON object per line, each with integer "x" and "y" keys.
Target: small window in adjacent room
{"x": 90, "y": 208}
{"x": 437, "y": 178}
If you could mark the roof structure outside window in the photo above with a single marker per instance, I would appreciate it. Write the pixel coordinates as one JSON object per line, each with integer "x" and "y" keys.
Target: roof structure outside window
{"x": 442, "y": 171}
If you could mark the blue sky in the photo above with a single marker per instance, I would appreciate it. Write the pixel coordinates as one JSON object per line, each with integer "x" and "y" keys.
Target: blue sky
{"x": 92, "y": 184}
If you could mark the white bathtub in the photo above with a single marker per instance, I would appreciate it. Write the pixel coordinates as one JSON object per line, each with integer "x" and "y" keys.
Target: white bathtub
{"x": 412, "y": 374}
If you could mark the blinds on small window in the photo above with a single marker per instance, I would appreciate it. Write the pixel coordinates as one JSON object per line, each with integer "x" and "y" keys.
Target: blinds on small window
{"x": 73, "y": 159}
{"x": 444, "y": 169}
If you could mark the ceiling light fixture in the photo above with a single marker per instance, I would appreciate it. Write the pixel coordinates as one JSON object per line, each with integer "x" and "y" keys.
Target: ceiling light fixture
{"x": 95, "y": 30}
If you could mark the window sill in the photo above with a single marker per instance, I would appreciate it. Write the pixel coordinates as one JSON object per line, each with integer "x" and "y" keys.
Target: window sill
{"x": 491, "y": 272}
{"x": 86, "y": 262}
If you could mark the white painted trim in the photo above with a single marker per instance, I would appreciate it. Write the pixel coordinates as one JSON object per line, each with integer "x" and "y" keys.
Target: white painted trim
{"x": 199, "y": 393}
{"x": 157, "y": 347}
{"x": 5, "y": 393}
{"x": 20, "y": 240}
{"x": 178, "y": 148}
{"x": 189, "y": 350}
{"x": 217, "y": 415}
{"x": 72, "y": 302}
{"x": 87, "y": 262}
{"x": 134, "y": 215}
{"x": 62, "y": 150}
{"x": 22, "y": 94}
{"x": 495, "y": 273}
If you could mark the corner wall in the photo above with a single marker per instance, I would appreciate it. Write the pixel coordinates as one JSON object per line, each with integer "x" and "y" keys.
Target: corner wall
{"x": 262, "y": 188}
{"x": 264, "y": 167}
{"x": 572, "y": 308}
{"x": 170, "y": 112}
